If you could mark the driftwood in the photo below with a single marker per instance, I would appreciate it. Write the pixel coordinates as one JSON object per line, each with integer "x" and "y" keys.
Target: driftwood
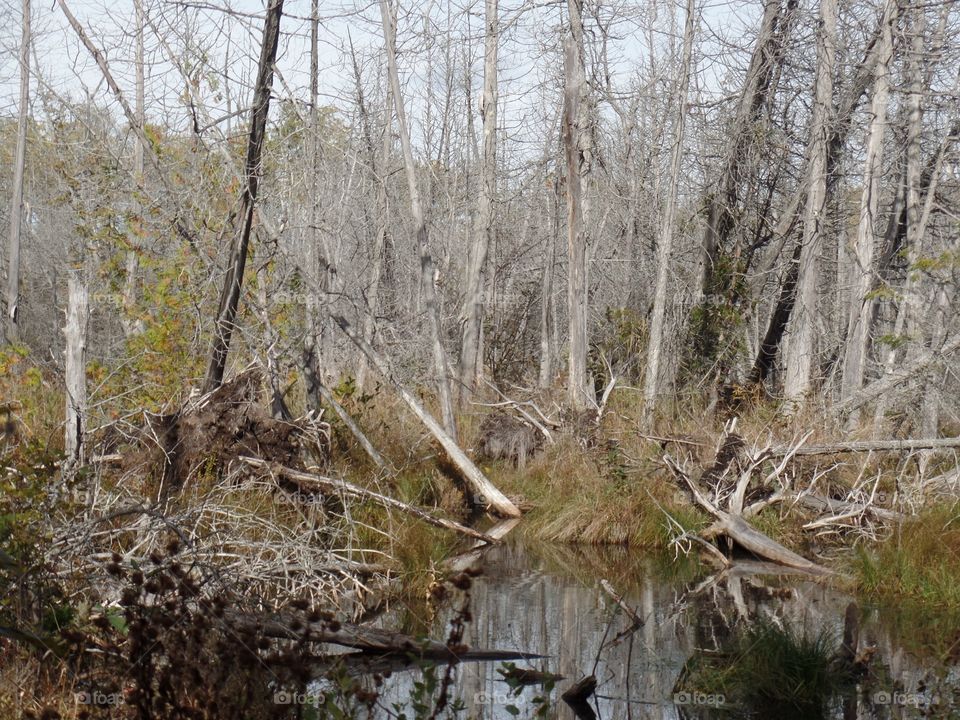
{"x": 731, "y": 522}
{"x": 312, "y": 483}
{"x": 618, "y": 599}
{"x": 489, "y": 494}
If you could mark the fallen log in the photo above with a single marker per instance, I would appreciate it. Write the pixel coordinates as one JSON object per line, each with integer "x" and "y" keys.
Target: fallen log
{"x": 311, "y": 483}
{"x": 488, "y": 494}
{"x": 906, "y": 445}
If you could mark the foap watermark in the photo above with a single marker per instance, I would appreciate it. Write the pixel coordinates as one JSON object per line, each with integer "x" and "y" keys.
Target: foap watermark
{"x": 98, "y": 698}
{"x": 292, "y": 697}
{"x": 903, "y": 699}
{"x": 109, "y": 299}
{"x": 695, "y": 697}
{"x": 496, "y": 698}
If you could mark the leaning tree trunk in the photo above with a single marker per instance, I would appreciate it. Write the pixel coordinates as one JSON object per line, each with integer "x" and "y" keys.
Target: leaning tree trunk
{"x": 578, "y": 150}
{"x": 75, "y": 369}
{"x": 858, "y": 323}
{"x": 470, "y": 360}
{"x": 800, "y": 351}
{"x": 233, "y": 281}
{"x": 423, "y": 238}
{"x": 652, "y": 387}
{"x": 16, "y": 200}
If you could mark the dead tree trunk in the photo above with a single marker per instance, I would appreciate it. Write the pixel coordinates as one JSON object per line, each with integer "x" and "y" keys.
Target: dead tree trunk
{"x": 487, "y": 493}
{"x": 800, "y": 351}
{"x": 858, "y": 325}
{"x": 75, "y": 368}
{"x": 16, "y": 200}
{"x": 470, "y": 361}
{"x": 312, "y": 341}
{"x": 577, "y": 146}
{"x": 233, "y": 281}
{"x": 131, "y": 325}
{"x": 652, "y": 388}
{"x": 423, "y": 238}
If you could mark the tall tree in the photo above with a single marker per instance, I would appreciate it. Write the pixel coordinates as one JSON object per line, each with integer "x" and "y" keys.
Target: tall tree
{"x": 652, "y": 387}
{"x": 577, "y": 143}
{"x": 423, "y": 237}
{"x": 800, "y": 351}
{"x": 858, "y": 323}
{"x": 470, "y": 360}
{"x": 16, "y": 200}
{"x": 233, "y": 281}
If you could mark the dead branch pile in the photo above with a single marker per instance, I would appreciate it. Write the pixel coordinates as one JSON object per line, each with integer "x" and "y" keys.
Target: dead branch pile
{"x": 742, "y": 481}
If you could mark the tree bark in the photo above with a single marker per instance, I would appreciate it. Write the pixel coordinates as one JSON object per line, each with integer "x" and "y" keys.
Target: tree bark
{"x": 858, "y": 324}
{"x": 801, "y": 349}
{"x": 75, "y": 368}
{"x": 233, "y": 281}
{"x": 577, "y": 146}
{"x": 423, "y": 238}
{"x": 652, "y": 388}
{"x": 471, "y": 363}
{"x": 16, "y": 200}
{"x": 131, "y": 325}
{"x": 312, "y": 340}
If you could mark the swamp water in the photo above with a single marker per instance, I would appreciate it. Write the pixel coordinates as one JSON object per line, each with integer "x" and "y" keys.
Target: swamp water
{"x": 547, "y": 600}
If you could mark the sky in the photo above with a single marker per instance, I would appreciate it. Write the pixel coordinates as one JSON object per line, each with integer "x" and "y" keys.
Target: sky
{"x": 226, "y": 34}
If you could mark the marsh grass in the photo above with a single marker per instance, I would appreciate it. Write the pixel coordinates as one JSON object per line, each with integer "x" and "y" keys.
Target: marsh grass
{"x": 772, "y": 670}
{"x": 919, "y": 561}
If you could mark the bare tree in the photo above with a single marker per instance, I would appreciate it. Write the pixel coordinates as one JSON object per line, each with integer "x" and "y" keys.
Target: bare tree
{"x": 800, "y": 351}
{"x": 16, "y": 200}
{"x": 233, "y": 281}
{"x": 577, "y": 141}
{"x": 652, "y": 388}
{"x": 423, "y": 238}
{"x": 470, "y": 360}
{"x": 858, "y": 324}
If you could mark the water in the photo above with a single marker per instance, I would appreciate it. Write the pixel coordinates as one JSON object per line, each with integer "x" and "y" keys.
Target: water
{"x": 547, "y": 599}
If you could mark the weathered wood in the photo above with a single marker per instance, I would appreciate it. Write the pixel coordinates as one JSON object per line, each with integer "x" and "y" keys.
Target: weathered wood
{"x": 312, "y": 483}
{"x": 800, "y": 355}
{"x": 75, "y": 367}
{"x": 488, "y": 494}
{"x": 741, "y": 532}
{"x": 16, "y": 199}
{"x": 577, "y": 144}
{"x": 905, "y": 445}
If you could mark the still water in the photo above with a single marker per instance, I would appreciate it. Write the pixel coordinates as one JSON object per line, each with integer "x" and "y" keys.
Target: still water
{"x": 548, "y": 600}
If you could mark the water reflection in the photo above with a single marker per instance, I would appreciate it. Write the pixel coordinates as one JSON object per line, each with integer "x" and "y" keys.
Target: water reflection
{"x": 547, "y": 599}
